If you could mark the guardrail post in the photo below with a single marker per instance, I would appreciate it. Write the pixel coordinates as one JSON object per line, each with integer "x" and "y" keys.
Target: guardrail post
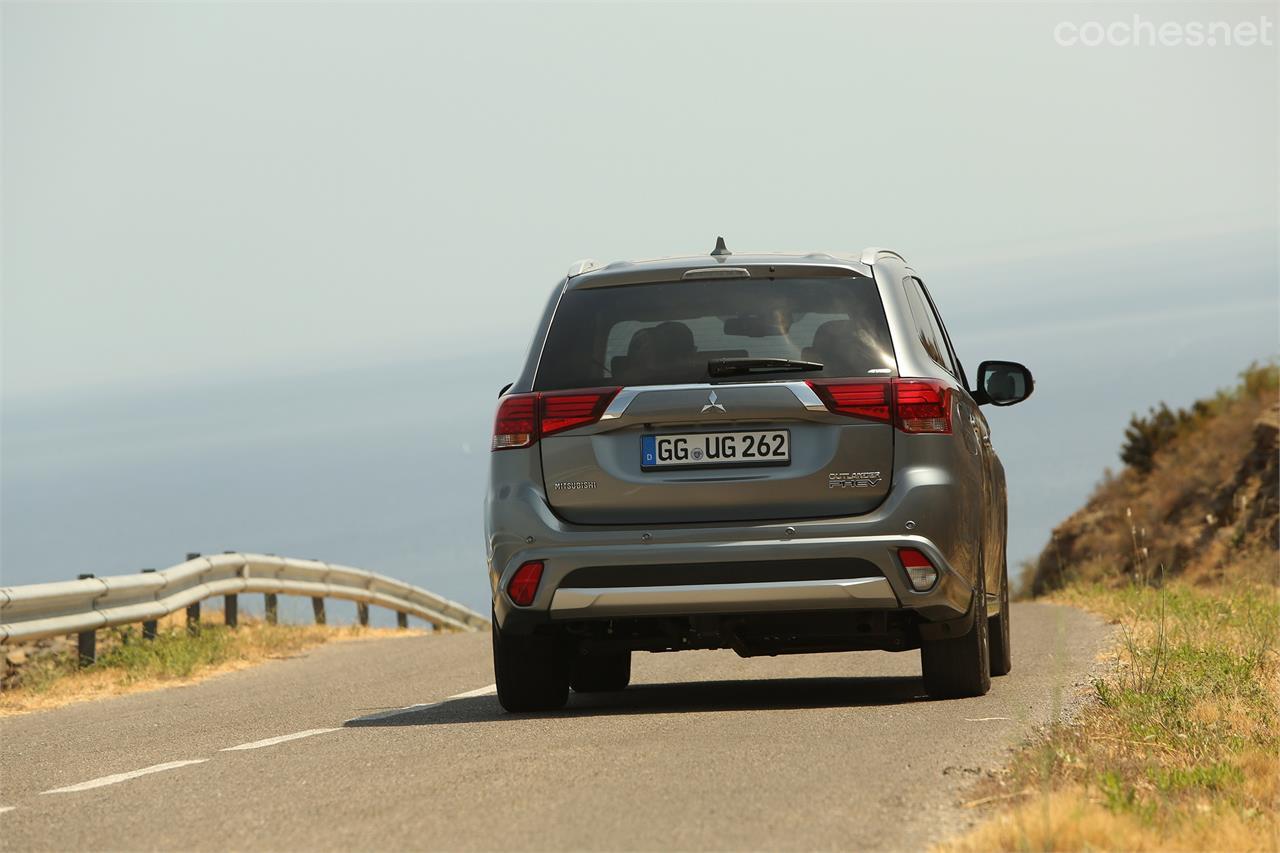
{"x": 402, "y": 619}
{"x": 230, "y": 606}
{"x": 271, "y": 607}
{"x": 317, "y": 608}
{"x": 149, "y": 625}
{"x": 87, "y": 647}
{"x": 86, "y": 641}
{"x": 362, "y": 613}
{"x": 193, "y": 610}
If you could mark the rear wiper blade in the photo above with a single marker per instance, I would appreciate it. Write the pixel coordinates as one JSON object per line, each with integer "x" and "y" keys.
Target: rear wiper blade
{"x": 738, "y": 366}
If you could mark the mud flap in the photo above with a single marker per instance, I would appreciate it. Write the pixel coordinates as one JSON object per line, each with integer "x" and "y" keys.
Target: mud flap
{"x": 949, "y": 628}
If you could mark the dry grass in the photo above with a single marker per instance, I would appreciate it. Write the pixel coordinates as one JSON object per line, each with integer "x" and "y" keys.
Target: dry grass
{"x": 1181, "y": 750}
{"x": 1070, "y": 819}
{"x": 128, "y": 664}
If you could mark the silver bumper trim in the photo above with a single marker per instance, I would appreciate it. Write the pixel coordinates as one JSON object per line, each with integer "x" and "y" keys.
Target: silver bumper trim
{"x": 568, "y": 603}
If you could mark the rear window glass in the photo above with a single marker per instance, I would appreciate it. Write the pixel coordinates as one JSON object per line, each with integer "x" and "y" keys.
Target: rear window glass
{"x": 666, "y": 333}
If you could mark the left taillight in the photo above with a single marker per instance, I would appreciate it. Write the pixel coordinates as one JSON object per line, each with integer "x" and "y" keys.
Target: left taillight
{"x": 564, "y": 410}
{"x": 517, "y": 422}
{"x": 524, "y": 418}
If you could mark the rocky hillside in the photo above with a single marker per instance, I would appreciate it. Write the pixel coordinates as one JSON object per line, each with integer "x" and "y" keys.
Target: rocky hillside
{"x": 1197, "y": 496}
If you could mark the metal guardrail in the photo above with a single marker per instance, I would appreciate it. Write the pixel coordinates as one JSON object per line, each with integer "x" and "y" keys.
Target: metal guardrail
{"x": 34, "y": 611}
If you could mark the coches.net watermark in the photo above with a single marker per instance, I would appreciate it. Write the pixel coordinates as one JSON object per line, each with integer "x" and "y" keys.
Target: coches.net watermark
{"x": 1138, "y": 31}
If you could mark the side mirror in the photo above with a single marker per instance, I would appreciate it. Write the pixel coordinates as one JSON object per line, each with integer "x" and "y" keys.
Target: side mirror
{"x": 1003, "y": 383}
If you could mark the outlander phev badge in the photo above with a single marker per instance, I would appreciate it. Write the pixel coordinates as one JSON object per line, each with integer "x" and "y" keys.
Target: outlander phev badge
{"x": 712, "y": 404}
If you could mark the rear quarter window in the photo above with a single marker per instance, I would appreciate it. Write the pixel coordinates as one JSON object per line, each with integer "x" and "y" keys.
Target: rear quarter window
{"x": 931, "y": 337}
{"x": 666, "y": 333}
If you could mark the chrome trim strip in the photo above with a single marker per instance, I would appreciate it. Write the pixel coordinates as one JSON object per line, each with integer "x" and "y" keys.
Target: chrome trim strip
{"x": 731, "y": 597}
{"x": 618, "y": 406}
{"x": 807, "y": 397}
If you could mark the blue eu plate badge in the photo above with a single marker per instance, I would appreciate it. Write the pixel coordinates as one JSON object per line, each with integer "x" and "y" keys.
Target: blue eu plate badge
{"x": 649, "y": 450}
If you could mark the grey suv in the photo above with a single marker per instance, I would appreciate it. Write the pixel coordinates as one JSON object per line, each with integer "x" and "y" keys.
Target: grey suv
{"x": 766, "y": 453}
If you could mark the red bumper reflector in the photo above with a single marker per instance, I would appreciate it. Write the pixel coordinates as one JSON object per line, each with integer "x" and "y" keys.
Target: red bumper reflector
{"x": 913, "y": 559}
{"x": 524, "y": 583}
{"x": 922, "y": 573}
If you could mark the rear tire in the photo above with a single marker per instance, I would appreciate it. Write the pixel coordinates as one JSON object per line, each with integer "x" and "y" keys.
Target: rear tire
{"x": 600, "y": 673}
{"x": 998, "y": 629}
{"x": 958, "y": 667}
{"x": 532, "y": 672}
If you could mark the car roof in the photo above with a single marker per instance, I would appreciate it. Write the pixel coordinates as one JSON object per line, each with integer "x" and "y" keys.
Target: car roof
{"x": 590, "y": 273}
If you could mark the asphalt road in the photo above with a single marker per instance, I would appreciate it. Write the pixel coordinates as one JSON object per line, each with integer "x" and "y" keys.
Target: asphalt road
{"x": 704, "y": 751}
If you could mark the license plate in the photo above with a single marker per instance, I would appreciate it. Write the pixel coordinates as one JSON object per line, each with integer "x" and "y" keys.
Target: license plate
{"x": 709, "y": 449}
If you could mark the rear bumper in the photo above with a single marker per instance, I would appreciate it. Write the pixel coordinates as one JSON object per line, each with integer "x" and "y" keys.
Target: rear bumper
{"x": 876, "y": 582}
{"x": 521, "y": 527}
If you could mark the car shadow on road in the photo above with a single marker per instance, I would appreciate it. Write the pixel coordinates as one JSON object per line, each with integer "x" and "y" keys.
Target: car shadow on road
{"x": 667, "y": 698}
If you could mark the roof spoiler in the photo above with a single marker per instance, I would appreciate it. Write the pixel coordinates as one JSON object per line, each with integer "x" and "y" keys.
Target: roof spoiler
{"x": 579, "y": 267}
{"x": 870, "y": 254}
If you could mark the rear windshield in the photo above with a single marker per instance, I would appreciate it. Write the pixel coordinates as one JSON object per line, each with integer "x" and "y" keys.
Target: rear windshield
{"x": 666, "y": 333}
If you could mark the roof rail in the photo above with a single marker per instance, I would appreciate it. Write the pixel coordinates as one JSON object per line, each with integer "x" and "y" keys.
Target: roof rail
{"x": 579, "y": 267}
{"x": 870, "y": 254}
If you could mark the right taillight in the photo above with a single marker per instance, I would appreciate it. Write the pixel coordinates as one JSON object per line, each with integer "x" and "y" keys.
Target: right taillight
{"x": 922, "y": 405}
{"x": 867, "y": 399}
{"x": 911, "y": 405}
{"x": 524, "y": 418}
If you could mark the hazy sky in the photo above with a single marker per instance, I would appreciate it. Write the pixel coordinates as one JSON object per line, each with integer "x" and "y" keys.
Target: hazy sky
{"x": 266, "y": 265}
{"x": 218, "y": 189}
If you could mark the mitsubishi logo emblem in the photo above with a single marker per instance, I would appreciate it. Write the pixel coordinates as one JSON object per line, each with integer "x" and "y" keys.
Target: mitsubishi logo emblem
{"x": 712, "y": 404}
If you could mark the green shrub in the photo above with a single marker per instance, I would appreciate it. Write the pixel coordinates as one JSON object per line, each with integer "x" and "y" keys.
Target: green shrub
{"x": 1260, "y": 380}
{"x": 1144, "y": 436}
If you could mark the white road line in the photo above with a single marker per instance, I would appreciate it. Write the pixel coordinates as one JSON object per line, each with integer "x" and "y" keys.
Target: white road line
{"x": 4, "y": 809}
{"x": 394, "y": 712}
{"x": 490, "y": 690}
{"x": 272, "y": 741}
{"x": 124, "y": 777}
{"x": 985, "y": 719}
